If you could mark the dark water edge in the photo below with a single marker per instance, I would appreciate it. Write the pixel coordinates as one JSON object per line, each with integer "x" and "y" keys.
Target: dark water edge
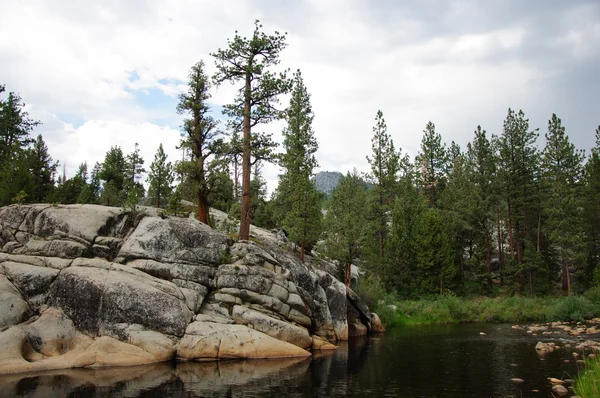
{"x": 417, "y": 361}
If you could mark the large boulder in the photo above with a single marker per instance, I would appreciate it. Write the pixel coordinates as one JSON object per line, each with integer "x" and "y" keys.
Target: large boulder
{"x": 93, "y": 297}
{"x": 175, "y": 240}
{"x": 207, "y": 340}
{"x": 14, "y": 309}
{"x": 273, "y": 327}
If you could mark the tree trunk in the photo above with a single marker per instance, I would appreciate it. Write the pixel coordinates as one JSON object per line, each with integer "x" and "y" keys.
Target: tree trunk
{"x": 539, "y": 233}
{"x": 236, "y": 178}
{"x": 530, "y": 282}
{"x": 381, "y": 226}
{"x": 203, "y": 210}
{"x": 245, "y": 217}
{"x": 510, "y": 233}
{"x": 488, "y": 258}
{"x": 500, "y": 251}
{"x": 568, "y": 276}
{"x": 348, "y": 274}
{"x": 519, "y": 257}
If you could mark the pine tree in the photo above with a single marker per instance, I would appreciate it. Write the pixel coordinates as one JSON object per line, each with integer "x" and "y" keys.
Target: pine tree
{"x": 248, "y": 60}
{"x": 562, "y": 167}
{"x": 592, "y": 211}
{"x": 113, "y": 174}
{"x": 385, "y": 166}
{"x": 201, "y": 136}
{"x": 42, "y": 170}
{"x": 15, "y": 128}
{"x": 298, "y": 201}
{"x": 435, "y": 257}
{"x": 432, "y": 160}
{"x": 345, "y": 221}
{"x": 160, "y": 178}
{"x": 519, "y": 159}
{"x": 482, "y": 168}
{"x": 134, "y": 168}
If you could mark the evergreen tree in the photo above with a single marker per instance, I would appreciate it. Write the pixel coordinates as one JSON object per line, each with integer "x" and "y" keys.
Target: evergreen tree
{"x": 385, "y": 166}
{"x": 482, "y": 168}
{"x": 519, "y": 160}
{"x": 200, "y": 136}
{"x": 42, "y": 170}
{"x": 401, "y": 259}
{"x": 160, "y": 178}
{"x": 457, "y": 203}
{"x": 345, "y": 221}
{"x": 248, "y": 60}
{"x": 562, "y": 168}
{"x": 15, "y": 128}
{"x": 592, "y": 211}
{"x": 432, "y": 160}
{"x": 299, "y": 206}
{"x": 112, "y": 174}
{"x": 134, "y": 168}
{"x": 435, "y": 257}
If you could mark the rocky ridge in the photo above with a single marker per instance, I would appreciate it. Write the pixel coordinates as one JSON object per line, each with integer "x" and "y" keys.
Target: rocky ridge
{"x": 89, "y": 286}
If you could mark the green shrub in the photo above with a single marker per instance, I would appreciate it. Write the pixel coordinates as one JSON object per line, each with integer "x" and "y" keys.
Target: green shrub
{"x": 573, "y": 308}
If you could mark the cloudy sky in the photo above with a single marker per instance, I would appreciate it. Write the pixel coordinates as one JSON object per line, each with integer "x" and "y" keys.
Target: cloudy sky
{"x": 108, "y": 72}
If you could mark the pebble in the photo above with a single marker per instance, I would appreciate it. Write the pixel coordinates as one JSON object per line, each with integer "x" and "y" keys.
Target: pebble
{"x": 517, "y": 380}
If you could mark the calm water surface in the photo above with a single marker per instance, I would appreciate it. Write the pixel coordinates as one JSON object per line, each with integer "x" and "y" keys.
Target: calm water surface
{"x": 423, "y": 361}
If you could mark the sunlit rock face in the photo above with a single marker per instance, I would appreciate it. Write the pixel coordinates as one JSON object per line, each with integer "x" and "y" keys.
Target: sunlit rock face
{"x": 90, "y": 286}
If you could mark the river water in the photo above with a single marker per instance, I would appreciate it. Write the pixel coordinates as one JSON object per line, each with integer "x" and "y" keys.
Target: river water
{"x": 417, "y": 361}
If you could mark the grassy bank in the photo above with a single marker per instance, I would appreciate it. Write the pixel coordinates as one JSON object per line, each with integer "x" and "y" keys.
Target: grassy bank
{"x": 587, "y": 383}
{"x": 453, "y": 309}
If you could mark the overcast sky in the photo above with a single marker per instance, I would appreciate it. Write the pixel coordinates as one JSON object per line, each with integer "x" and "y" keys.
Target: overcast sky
{"x": 107, "y": 73}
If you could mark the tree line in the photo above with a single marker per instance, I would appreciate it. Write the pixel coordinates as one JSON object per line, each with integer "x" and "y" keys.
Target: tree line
{"x": 502, "y": 214}
{"x": 499, "y": 214}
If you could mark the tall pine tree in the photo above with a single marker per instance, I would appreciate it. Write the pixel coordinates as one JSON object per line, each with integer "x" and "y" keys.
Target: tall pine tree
{"x": 249, "y": 60}
{"x": 160, "y": 178}
{"x": 298, "y": 199}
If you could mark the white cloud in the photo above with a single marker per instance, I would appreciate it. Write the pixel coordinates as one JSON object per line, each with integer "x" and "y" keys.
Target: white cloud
{"x": 75, "y": 60}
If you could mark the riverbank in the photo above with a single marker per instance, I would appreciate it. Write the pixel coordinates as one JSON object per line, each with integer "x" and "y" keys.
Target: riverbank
{"x": 453, "y": 309}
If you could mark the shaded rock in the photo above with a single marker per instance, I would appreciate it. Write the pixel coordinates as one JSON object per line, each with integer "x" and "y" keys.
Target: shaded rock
{"x": 560, "y": 390}
{"x": 376, "y": 324}
{"x": 92, "y": 297}
{"x": 29, "y": 279}
{"x": 335, "y": 291}
{"x": 276, "y": 328}
{"x": 355, "y": 326}
{"x": 251, "y": 254}
{"x": 175, "y": 240}
{"x": 54, "y": 248}
{"x": 190, "y": 272}
{"x": 13, "y": 309}
{"x": 360, "y": 307}
{"x": 203, "y": 340}
{"x": 194, "y": 293}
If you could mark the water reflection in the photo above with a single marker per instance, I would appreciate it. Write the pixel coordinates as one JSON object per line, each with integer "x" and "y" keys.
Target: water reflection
{"x": 436, "y": 361}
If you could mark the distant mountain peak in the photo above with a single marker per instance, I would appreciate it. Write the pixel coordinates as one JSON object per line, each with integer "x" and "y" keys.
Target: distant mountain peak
{"x": 327, "y": 181}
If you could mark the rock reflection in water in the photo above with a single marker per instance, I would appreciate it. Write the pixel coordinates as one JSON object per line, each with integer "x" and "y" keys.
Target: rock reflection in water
{"x": 194, "y": 379}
